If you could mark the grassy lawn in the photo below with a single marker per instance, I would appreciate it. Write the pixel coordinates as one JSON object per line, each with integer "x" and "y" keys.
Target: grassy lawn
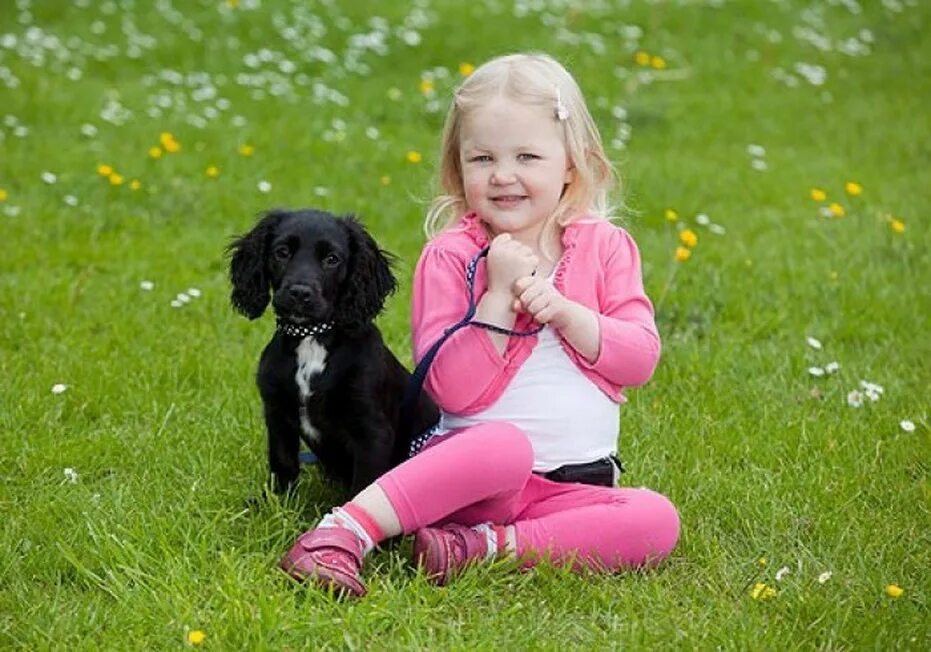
{"x": 130, "y": 428}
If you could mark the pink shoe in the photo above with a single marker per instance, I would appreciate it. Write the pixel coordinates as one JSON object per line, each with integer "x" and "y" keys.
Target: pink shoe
{"x": 443, "y": 552}
{"x": 331, "y": 556}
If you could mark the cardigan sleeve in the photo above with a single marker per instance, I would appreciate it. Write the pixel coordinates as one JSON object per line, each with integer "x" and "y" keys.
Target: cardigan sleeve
{"x": 629, "y": 341}
{"x": 467, "y": 366}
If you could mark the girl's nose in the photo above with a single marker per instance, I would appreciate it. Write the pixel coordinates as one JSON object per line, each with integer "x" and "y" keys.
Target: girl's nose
{"x": 502, "y": 175}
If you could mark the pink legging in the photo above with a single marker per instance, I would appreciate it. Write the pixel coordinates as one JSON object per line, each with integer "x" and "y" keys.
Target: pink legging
{"x": 483, "y": 474}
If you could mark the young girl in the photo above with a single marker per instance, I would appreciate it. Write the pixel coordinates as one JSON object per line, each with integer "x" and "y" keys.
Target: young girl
{"x": 524, "y": 172}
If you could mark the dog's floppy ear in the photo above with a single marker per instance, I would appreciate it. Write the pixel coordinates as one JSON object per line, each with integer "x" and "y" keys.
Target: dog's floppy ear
{"x": 248, "y": 271}
{"x": 369, "y": 280}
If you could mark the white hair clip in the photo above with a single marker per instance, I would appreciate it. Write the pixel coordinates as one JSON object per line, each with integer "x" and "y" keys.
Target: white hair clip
{"x": 562, "y": 113}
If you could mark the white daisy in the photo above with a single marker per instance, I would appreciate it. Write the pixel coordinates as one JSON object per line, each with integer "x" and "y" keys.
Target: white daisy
{"x": 816, "y": 371}
{"x": 264, "y": 186}
{"x": 906, "y": 425}
{"x": 782, "y": 572}
{"x": 194, "y": 292}
{"x": 59, "y": 388}
{"x": 832, "y": 367}
{"x": 71, "y": 475}
{"x": 824, "y": 577}
{"x": 813, "y": 343}
{"x": 855, "y": 398}
{"x": 147, "y": 285}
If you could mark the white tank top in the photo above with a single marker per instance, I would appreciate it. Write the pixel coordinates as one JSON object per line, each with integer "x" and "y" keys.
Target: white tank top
{"x": 567, "y": 418}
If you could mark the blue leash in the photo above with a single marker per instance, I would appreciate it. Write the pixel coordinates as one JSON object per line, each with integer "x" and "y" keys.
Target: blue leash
{"x": 415, "y": 385}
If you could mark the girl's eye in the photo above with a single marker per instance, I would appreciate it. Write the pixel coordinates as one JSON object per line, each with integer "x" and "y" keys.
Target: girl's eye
{"x": 481, "y": 158}
{"x": 282, "y": 252}
{"x": 331, "y": 260}
{"x": 527, "y": 157}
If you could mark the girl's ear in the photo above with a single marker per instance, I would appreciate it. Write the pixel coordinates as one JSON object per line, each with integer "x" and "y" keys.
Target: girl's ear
{"x": 570, "y": 174}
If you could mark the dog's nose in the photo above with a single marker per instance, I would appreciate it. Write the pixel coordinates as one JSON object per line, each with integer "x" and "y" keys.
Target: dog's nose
{"x": 301, "y": 293}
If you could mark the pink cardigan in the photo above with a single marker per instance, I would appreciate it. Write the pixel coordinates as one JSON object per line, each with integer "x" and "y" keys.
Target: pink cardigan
{"x": 600, "y": 268}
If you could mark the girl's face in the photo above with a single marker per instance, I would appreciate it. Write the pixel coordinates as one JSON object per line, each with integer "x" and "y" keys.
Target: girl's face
{"x": 514, "y": 166}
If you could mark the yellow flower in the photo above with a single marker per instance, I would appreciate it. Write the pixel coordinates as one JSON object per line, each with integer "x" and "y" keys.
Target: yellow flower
{"x": 466, "y": 69}
{"x": 642, "y": 58}
{"x": 155, "y": 152}
{"x": 836, "y": 209}
{"x": 818, "y": 194}
{"x": 104, "y": 170}
{"x": 688, "y": 238}
{"x": 135, "y": 184}
{"x": 385, "y": 180}
{"x": 658, "y": 62}
{"x": 116, "y": 179}
{"x": 232, "y": 4}
{"x": 169, "y": 144}
{"x": 212, "y": 171}
{"x": 897, "y": 225}
{"x": 671, "y": 215}
{"x": 3, "y": 194}
{"x": 682, "y": 254}
{"x": 426, "y": 86}
{"x": 246, "y": 150}
{"x": 762, "y": 561}
{"x": 762, "y": 592}
{"x": 853, "y": 188}
{"x": 894, "y": 591}
{"x": 196, "y": 637}
{"x": 414, "y": 156}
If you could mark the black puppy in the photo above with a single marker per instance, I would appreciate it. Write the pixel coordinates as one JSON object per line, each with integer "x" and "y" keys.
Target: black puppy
{"x": 326, "y": 375}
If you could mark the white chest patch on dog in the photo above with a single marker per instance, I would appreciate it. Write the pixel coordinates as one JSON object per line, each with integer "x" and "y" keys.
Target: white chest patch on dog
{"x": 311, "y": 361}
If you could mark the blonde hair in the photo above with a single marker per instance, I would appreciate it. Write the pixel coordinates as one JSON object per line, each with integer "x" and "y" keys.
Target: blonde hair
{"x": 534, "y": 79}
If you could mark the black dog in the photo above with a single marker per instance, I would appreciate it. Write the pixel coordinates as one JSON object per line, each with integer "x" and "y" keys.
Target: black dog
{"x": 326, "y": 375}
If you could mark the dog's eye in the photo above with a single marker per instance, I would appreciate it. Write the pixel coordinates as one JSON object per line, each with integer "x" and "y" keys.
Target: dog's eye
{"x": 331, "y": 260}
{"x": 282, "y": 252}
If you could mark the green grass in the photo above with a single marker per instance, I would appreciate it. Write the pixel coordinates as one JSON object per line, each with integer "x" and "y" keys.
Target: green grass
{"x": 161, "y": 422}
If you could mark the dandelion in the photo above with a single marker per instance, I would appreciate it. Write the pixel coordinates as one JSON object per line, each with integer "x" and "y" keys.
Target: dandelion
{"x": 168, "y": 142}
{"x": 682, "y": 254}
{"x": 688, "y": 238}
{"x": 148, "y": 286}
{"x": 824, "y": 577}
{"x": 659, "y": 63}
{"x": 813, "y": 343}
{"x": 385, "y": 180}
{"x": 71, "y": 475}
{"x": 466, "y": 69}
{"x": 671, "y": 215}
{"x": 855, "y": 398}
{"x": 818, "y": 194}
{"x": 196, "y": 637}
{"x": 116, "y": 179}
{"x": 426, "y": 86}
{"x": 642, "y": 58}
{"x": 413, "y": 156}
{"x": 907, "y": 425}
{"x": 59, "y": 388}
{"x": 3, "y": 194}
{"x": 104, "y": 170}
{"x": 212, "y": 171}
{"x": 894, "y": 591}
{"x": 836, "y": 209}
{"x": 853, "y": 188}
{"x": 246, "y": 150}
{"x": 155, "y": 152}
{"x": 898, "y": 226}
{"x": 762, "y": 592}
{"x": 782, "y": 572}
{"x": 135, "y": 185}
